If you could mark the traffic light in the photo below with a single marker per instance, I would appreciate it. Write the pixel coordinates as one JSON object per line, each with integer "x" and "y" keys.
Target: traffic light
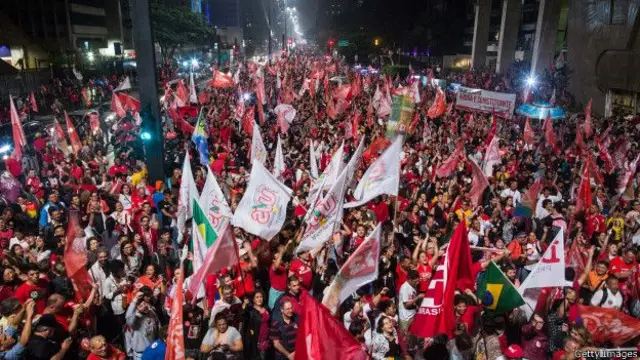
{"x": 331, "y": 43}
{"x": 376, "y": 42}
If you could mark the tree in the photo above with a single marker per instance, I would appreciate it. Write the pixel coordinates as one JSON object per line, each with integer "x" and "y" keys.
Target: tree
{"x": 174, "y": 24}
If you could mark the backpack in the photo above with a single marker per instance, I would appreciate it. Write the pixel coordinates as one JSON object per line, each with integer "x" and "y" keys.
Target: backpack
{"x": 605, "y": 295}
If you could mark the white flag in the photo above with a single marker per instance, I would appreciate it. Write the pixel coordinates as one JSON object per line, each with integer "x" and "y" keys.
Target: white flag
{"x": 353, "y": 162}
{"x": 287, "y": 112}
{"x": 124, "y": 85}
{"x": 360, "y": 269}
{"x": 326, "y": 215}
{"x": 258, "y": 150}
{"x": 214, "y": 204}
{"x": 548, "y": 272}
{"x": 278, "y": 165}
{"x": 382, "y": 177}
{"x": 333, "y": 170}
{"x": 193, "y": 97}
{"x": 313, "y": 162}
{"x": 263, "y": 207}
{"x": 188, "y": 191}
{"x": 492, "y": 156}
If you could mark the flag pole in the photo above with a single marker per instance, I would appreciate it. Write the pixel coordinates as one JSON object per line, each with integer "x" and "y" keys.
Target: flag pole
{"x": 235, "y": 248}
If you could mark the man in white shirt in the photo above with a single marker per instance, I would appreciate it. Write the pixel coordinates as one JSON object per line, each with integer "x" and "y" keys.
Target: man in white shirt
{"x": 609, "y": 296}
{"x": 541, "y": 212}
{"x": 513, "y": 192}
{"x": 408, "y": 301}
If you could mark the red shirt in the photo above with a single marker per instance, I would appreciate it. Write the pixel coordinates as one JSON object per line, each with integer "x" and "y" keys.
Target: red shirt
{"x": 401, "y": 277}
{"x": 278, "y": 278}
{"x": 112, "y": 354}
{"x": 24, "y": 291}
{"x": 468, "y": 318}
{"x": 14, "y": 166}
{"x": 303, "y": 272}
{"x": 424, "y": 271}
{"x": 594, "y": 223}
{"x": 618, "y": 265}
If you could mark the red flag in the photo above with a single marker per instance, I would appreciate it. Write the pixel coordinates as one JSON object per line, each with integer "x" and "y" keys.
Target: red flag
{"x": 343, "y": 93}
{"x": 435, "y": 315}
{"x": 248, "y": 119}
{"x": 376, "y": 146}
{"x": 220, "y": 255}
{"x": 203, "y": 98}
{"x": 528, "y": 133}
{"x": 579, "y": 140}
{"x": 59, "y": 138}
{"x": 19, "y": 140}
{"x": 605, "y": 139}
{"x": 331, "y": 109}
{"x": 76, "y": 144}
{"x": 321, "y": 336}
{"x": 479, "y": 182}
{"x": 132, "y": 104}
{"x": 32, "y": 102}
{"x": 439, "y": 105}
{"x": 609, "y": 325}
{"x": 75, "y": 260}
{"x": 175, "y": 334}
{"x": 549, "y": 134}
{"x": 492, "y": 131}
{"x": 584, "y": 199}
{"x": 221, "y": 80}
{"x": 603, "y": 154}
{"x": 282, "y": 123}
{"x": 116, "y": 106}
{"x": 182, "y": 93}
{"x": 449, "y": 166}
{"x": 588, "y": 129}
{"x": 355, "y": 124}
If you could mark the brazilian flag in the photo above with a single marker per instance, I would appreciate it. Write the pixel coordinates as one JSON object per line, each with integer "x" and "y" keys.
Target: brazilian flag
{"x": 203, "y": 226}
{"x": 496, "y": 292}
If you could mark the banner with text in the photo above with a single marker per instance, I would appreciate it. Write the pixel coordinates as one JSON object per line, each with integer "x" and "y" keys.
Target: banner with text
{"x": 500, "y": 104}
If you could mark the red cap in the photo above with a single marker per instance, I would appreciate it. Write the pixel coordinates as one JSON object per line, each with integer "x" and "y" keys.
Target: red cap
{"x": 514, "y": 352}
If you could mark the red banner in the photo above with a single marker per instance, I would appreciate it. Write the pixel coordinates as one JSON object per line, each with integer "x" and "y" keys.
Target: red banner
{"x": 609, "y": 325}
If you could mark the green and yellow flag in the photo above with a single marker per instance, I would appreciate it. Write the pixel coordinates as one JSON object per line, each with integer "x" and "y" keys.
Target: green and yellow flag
{"x": 496, "y": 292}
{"x": 203, "y": 225}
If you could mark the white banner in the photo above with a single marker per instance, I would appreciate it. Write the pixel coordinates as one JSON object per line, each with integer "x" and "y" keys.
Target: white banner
{"x": 500, "y": 104}
{"x": 548, "y": 272}
{"x": 263, "y": 207}
{"x": 360, "y": 269}
{"x": 214, "y": 204}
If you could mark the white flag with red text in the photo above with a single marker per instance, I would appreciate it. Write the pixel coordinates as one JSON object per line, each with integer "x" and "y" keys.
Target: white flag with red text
{"x": 263, "y": 207}
{"x": 214, "y": 204}
{"x": 492, "y": 156}
{"x": 360, "y": 269}
{"x": 258, "y": 150}
{"x": 278, "y": 165}
{"x": 548, "y": 272}
{"x": 382, "y": 177}
{"x": 188, "y": 191}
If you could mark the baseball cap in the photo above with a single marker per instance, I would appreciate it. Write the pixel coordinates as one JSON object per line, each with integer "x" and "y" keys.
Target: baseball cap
{"x": 514, "y": 352}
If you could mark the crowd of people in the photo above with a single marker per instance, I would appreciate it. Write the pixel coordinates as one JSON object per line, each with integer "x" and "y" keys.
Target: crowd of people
{"x": 134, "y": 241}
